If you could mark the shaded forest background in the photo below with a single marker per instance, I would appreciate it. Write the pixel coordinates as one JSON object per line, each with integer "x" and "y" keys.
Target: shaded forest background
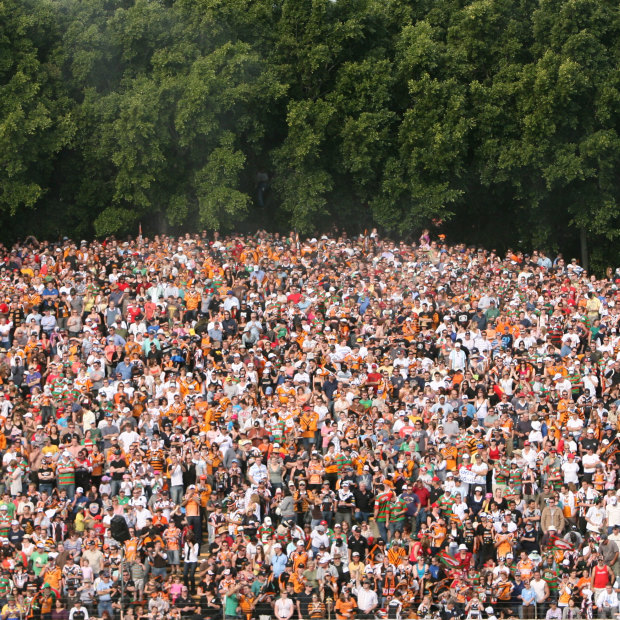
{"x": 497, "y": 118}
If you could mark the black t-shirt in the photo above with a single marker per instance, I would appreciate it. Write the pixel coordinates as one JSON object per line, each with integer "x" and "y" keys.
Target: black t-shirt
{"x": 118, "y": 463}
{"x": 358, "y": 544}
{"x": 528, "y": 545}
{"x": 487, "y": 535}
{"x": 364, "y": 500}
{"x": 435, "y": 494}
{"x": 184, "y": 602}
{"x": 211, "y": 612}
{"x": 587, "y": 443}
{"x": 294, "y": 597}
{"x": 463, "y": 318}
{"x": 244, "y": 314}
{"x": 426, "y": 319}
{"x": 67, "y": 437}
{"x": 47, "y": 474}
{"x": 288, "y": 459}
{"x": 15, "y": 537}
{"x": 304, "y": 601}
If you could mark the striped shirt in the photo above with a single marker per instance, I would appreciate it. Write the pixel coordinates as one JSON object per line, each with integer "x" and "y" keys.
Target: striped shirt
{"x": 157, "y": 460}
{"x": 398, "y": 510}
{"x": 382, "y": 505}
{"x": 65, "y": 474}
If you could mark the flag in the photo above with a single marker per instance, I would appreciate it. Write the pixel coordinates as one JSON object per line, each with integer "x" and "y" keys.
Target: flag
{"x": 447, "y": 560}
{"x": 555, "y": 542}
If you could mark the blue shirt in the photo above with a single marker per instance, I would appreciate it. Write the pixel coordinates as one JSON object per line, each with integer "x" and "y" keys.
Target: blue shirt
{"x": 125, "y": 370}
{"x": 528, "y": 594}
{"x": 116, "y": 340}
{"x": 104, "y": 585}
{"x": 278, "y": 564}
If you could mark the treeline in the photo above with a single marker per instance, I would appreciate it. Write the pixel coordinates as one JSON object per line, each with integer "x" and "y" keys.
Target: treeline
{"x": 497, "y": 118}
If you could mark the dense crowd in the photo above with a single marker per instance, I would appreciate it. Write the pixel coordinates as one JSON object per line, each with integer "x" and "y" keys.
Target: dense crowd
{"x": 335, "y": 427}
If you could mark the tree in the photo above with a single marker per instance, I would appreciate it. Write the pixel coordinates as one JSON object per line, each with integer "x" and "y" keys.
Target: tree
{"x": 35, "y": 112}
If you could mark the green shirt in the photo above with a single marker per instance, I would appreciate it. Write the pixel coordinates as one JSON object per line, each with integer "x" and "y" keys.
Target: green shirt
{"x": 232, "y": 602}
{"x": 39, "y": 560}
{"x": 257, "y": 586}
{"x": 492, "y": 313}
{"x": 10, "y": 508}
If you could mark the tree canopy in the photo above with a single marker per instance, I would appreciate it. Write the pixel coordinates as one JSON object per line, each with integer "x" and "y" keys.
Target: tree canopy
{"x": 500, "y": 119}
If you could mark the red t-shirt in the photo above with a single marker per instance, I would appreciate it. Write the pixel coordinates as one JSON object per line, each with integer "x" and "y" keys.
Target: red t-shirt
{"x": 423, "y": 495}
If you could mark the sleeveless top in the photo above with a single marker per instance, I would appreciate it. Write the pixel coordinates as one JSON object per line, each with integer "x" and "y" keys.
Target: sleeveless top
{"x": 601, "y": 576}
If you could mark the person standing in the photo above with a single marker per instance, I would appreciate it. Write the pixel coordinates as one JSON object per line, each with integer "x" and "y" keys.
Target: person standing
{"x": 541, "y": 588}
{"x": 65, "y": 475}
{"x": 367, "y": 600}
{"x": 382, "y": 510}
{"x": 600, "y": 576}
{"x": 191, "y": 550}
{"x": 191, "y": 503}
{"x": 284, "y": 607}
{"x": 104, "y": 587}
{"x": 552, "y": 515}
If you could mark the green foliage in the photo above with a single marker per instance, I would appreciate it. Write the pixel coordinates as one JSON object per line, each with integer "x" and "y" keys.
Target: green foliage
{"x": 113, "y": 220}
{"x": 35, "y": 114}
{"x": 220, "y": 204}
{"x": 499, "y": 118}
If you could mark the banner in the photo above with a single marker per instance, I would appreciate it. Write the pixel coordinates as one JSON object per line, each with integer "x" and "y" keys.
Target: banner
{"x": 469, "y": 477}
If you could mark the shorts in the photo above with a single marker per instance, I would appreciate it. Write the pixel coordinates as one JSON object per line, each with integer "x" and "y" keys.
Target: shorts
{"x": 174, "y": 557}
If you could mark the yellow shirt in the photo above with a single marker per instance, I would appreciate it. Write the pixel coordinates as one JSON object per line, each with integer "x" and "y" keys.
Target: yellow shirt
{"x": 80, "y": 526}
{"x": 50, "y": 450}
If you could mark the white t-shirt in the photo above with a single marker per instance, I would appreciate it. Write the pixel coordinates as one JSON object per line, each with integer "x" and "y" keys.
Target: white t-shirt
{"x": 570, "y": 470}
{"x": 176, "y": 477}
{"x": 613, "y": 514}
{"x": 590, "y": 461}
{"x": 141, "y": 517}
{"x": 127, "y": 438}
{"x": 596, "y": 515}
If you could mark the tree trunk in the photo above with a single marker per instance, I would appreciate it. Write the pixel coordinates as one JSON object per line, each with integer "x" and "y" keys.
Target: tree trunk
{"x": 584, "y": 247}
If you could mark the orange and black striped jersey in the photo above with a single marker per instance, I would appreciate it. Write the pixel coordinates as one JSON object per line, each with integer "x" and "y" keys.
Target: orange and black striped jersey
{"x": 157, "y": 460}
